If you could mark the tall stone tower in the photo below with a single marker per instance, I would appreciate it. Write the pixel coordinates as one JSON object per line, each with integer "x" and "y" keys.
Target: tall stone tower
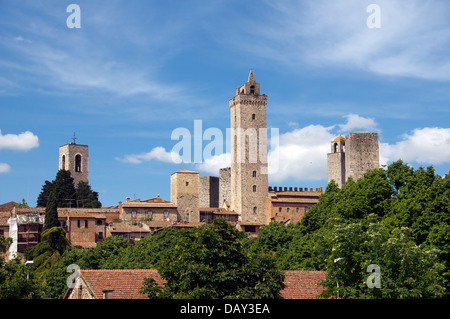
{"x": 362, "y": 154}
{"x": 352, "y": 156}
{"x": 336, "y": 161}
{"x": 184, "y": 193}
{"x": 75, "y": 159}
{"x": 249, "y": 179}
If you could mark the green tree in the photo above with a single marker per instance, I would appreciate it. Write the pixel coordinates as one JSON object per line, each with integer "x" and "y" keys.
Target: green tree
{"x": 17, "y": 281}
{"x": 86, "y": 197}
{"x": 51, "y": 212}
{"x": 50, "y": 250}
{"x": 407, "y": 271}
{"x": 210, "y": 262}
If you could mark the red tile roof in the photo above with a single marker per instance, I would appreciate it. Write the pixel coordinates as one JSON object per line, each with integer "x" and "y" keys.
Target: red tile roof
{"x": 126, "y": 283}
{"x": 302, "y": 284}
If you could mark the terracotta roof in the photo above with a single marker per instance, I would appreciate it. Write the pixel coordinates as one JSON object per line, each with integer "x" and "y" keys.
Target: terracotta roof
{"x": 7, "y": 207}
{"x": 126, "y": 283}
{"x": 127, "y": 228}
{"x": 4, "y": 219}
{"x": 302, "y": 284}
{"x": 339, "y": 138}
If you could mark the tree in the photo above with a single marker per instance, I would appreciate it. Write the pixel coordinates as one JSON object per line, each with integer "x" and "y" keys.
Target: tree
{"x": 210, "y": 262}
{"x": 406, "y": 270}
{"x": 51, "y": 212}
{"x": 50, "y": 250}
{"x": 18, "y": 282}
{"x": 66, "y": 193}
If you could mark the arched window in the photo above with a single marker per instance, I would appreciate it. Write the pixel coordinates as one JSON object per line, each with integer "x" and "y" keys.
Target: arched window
{"x": 255, "y": 210}
{"x": 252, "y": 89}
{"x": 335, "y": 147}
{"x": 253, "y": 116}
{"x": 254, "y": 173}
{"x": 63, "y": 164}
{"x": 78, "y": 163}
{"x": 254, "y": 188}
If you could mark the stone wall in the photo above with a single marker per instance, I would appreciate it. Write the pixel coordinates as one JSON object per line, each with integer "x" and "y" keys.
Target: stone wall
{"x": 209, "y": 191}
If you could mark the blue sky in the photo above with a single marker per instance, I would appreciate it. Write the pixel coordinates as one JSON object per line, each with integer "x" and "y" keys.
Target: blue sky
{"x": 137, "y": 70}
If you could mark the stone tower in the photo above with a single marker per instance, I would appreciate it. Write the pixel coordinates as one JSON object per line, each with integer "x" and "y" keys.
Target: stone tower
{"x": 336, "y": 161}
{"x": 75, "y": 159}
{"x": 184, "y": 193}
{"x": 362, "y": 154}
{"x": 352, "y": 156}
{"x": 249, "y": 179}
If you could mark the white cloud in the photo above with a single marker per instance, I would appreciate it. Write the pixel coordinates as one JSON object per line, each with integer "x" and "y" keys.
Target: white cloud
{"x": 158, "y": 153}
{"x": 23, "y": 141}
{"x": 4, "y": 168}
{"x": 356, "y": 122}
{"x": 430, "y": 145}
{"x": 413, "y": 39}
{"x": 212, "y": 164}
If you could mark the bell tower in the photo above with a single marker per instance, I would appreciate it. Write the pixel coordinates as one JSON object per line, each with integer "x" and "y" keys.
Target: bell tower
{"x": 75, "y": 159}
{"x": 249, "y": 179}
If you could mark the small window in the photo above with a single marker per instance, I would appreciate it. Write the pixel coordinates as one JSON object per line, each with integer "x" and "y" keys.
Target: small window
{"x": 187, "y": 217}
{"x": 166, "y": 214}
{"x": 279, "y": 209}
{"x": 133, "y": 214}
{"x": 253, "y": 116}
{"x": 254, "y": 173}
{"x": 306, "y": 209}
{"x": 99, "y": 222}
{"x": 252, "y": 89}
{"x": 287, "y": 210}
{"x": 78, "y": 163}
{"x": 254, "y": 188}
{"x": 85, "y": 223}
{"x": 63, "y": 162}
{"x": 150, "y": 214}
{"x": 187, "y": 183}
{"x": 255, "y": 209}
{"x": 296, "y": 210}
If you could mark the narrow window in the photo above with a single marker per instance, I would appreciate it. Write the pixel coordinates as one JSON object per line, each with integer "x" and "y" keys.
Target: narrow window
{"x": 133, "y": 214}
{"x": 78, "y": 163}
{"x": 287, "y": 210}
{"x": 279, "y": 209}
{"x": 296, "y": 210}
{"x": 187, "y": 183}
{"x": 252, "y": 89}
{"x": 254, "y": 188}
{"x": 306, "y": 209}
{"x": 254, "y": 173}
{"x": 149, "y": 214}
{"x": 187, "y": 217}
{"x": 255, "y": 210}
{"x": 166, "y": 214}
{"x": 253, "y": 116}
{"x": 85, "y": 223}
{"x": 335, "y": 147}
{"x": 63, "y": 162}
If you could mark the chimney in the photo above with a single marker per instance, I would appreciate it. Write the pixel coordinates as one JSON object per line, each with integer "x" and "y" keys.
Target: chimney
{"x": 128, "y": 199}
{"x": 107, "y": 292}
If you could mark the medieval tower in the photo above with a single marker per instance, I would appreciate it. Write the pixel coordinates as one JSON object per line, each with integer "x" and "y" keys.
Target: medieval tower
{"x": 75, "y": 159}
{"x": 249, "y": 178}
{"x": 353, "y": 156}
{"x": 184, "y": 193}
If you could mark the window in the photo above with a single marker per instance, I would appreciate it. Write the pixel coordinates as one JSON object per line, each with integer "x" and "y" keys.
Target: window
{"x": 150, "y": 214}
{"x": 287, "y": 210}
{"x": 63, "y": 162}
{"x": 279, "y": 209}
{"x": 99, "y": 222}
{"x": 78, "y": 163}
{"x": 81, "y": 223}
{"x": 254, "y": 188}
{"x": 306, "y": 209}
{"x": 187, "y": 183}
{"x": 296, "y": 210}
{"x": 253, "y": 116}
{"x": 133, "y": 214}
{"x": 254, "y": 173}
{"x": 252, "y": 89}
{"x": 187, "y": 217}
{"x": 255, "y": 210}
{"x": 335, "y": 147}
{"x": 85, "y": 223}
{"x": 166, "y": 214}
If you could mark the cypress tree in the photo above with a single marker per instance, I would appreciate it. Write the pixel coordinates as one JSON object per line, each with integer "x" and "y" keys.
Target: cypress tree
{"x": 51, "y": 212}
